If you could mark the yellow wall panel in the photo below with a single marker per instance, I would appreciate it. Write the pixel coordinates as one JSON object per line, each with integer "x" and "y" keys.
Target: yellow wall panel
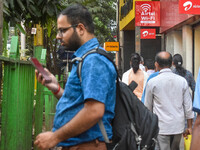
{"x": 127, "y": 14}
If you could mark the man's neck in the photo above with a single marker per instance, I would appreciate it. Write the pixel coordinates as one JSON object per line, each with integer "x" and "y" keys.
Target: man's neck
{"x": 87, "y": 38}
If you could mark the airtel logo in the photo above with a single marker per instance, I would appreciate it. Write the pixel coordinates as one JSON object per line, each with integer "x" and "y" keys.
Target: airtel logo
{"x": 145, "y": 33}
{"x": 187, "y": 5}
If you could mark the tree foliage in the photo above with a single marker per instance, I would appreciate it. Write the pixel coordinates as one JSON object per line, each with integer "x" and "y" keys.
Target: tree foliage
{"x": 31, "y": 12}
{"x": 35, "y": 11}
{"x": 44, "y": 12}
{"x": 103, "y": 13}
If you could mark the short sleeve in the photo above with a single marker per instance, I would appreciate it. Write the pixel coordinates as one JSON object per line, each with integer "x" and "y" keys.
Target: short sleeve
{"x": 98, "y": 77}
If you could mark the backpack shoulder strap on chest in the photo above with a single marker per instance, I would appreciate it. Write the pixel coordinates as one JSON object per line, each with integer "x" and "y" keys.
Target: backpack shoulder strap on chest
{"x": 96, "y": 50}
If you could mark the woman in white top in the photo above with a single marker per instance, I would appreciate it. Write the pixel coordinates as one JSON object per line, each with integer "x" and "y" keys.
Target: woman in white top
{"x": 135, "y": 74}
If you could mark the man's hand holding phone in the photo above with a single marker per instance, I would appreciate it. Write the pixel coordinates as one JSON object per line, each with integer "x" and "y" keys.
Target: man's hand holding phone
{"x": 39, "y": 67}
{"x": 46, "y": 78}
{"x": 53, "y": 85}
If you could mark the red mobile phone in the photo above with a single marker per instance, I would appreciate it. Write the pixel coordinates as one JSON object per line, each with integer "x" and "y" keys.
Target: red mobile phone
{"x": 39, "y": 67}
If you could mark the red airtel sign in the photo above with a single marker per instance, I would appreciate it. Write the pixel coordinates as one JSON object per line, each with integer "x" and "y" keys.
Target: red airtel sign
{"x": 147, "y": 13}
{"x": 148, "y": 33}
{"x": 189, "y": 6}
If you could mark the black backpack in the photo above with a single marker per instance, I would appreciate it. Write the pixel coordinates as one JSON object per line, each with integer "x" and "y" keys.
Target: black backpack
{"x": 134, "y": 126}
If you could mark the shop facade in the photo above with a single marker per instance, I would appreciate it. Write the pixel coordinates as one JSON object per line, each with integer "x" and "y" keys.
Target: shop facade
{"x": 181, "y": 34}
{"x": 130, "y": 40}
{"x": 178, "y": 33}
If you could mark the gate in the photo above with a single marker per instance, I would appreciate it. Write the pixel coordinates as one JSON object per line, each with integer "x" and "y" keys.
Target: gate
{"x": 17, "y": 101}
{"x": 23, "y": 114}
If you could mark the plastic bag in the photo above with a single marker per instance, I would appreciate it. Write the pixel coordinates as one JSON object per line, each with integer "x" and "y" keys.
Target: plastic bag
{"x": 187, "y": 142}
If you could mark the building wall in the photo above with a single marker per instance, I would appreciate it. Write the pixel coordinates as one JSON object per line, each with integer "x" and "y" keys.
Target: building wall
{"x": 187, "y": 41}
{"x": 181, "y": 42}
{"x": 179, "y": 35}
{"x": 169, "y": 40}
{"x": 170, "y": 16}
{"x": 128, "y": 47}
{"x": 178, "y": 42}
{"x": 174, "y": 42}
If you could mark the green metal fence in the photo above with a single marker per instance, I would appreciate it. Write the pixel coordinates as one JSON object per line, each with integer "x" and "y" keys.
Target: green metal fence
{"x": 50, "y": 102}
{"x": 22, "y": 112}
{"x": 50, "y": 106}
{"x": 17, "y": 106}
{"x": 17, "y": 102}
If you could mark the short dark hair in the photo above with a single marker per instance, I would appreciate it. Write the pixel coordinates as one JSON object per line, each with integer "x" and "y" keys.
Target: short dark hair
{"x": 164, "y": 62}
{"x": 79, "y": 14}
{"x": 149, "y": 63}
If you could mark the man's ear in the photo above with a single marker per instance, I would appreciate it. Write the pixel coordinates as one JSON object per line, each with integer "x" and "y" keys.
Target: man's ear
{"x": 157, "y": 66}
{"x": 81, "y": 29}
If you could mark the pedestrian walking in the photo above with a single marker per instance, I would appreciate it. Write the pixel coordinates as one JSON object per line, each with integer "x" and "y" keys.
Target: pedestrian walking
{"x": 167, "y": 95}
{"x": 177, "y": 62}
{"x": 135, "y": 74}
{"x": 81, "y": 104}
{"x": 152, "y": 73}
{"x": 150, "y": 66}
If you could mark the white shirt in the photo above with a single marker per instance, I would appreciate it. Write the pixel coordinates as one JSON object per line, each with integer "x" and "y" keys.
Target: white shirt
{"x": 167, "y": 95}
{"x": 142, "y": 67}
{"x": 125, "y": 76}
{"x": 150, "y": 71}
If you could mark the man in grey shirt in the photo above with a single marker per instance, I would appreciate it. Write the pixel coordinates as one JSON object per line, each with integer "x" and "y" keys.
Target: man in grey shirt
{"x": 167, "y": 95}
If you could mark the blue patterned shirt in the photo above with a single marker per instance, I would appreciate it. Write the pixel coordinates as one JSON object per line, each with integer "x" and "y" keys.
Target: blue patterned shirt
{"x": 98, "y": 82}
{"x": 189, "y": 77}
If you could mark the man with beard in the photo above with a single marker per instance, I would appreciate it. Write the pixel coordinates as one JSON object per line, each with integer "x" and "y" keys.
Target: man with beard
{"x": 81, "y": 104}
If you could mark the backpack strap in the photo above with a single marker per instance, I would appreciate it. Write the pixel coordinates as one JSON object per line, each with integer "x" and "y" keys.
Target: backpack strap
{"x": 81, "y": 59}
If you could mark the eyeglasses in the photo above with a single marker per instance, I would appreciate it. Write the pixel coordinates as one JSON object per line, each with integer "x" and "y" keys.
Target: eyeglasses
{"x": 61, "y": 31}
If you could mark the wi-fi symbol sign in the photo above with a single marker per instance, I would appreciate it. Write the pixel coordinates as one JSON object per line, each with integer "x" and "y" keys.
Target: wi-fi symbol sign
{"x": 145, "y": 7}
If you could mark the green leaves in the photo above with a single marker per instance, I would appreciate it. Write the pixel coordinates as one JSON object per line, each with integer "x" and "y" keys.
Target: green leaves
{"x": 35, "y": 11}
{"x": 39, "y": 2}
{"x": 21, "y": 5}
{"x": 21, "y": 29}
{"x": 50, "y": 10}
{"x": 45, "y": 12}
{"x": 40, "y": 11}
{"x": 103, "y": 13}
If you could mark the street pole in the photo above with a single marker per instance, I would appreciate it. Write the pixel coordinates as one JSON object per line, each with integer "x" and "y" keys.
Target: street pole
{"x": 118, "y": 37}
{"x": 1, "y": 41}
{"x": 137, "y": 40}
